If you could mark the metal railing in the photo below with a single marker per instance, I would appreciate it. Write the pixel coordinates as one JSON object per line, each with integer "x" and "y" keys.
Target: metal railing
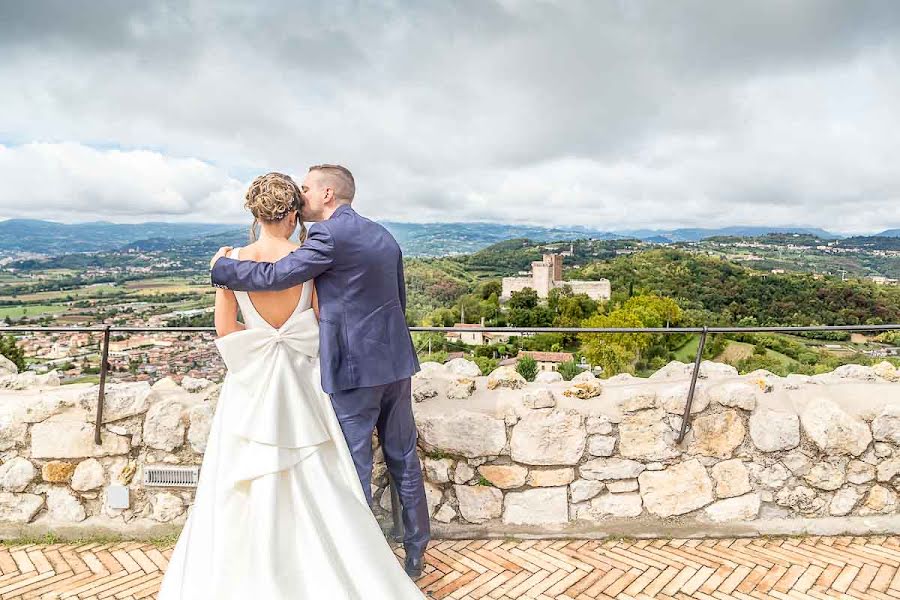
{"x": 703, "y": 332}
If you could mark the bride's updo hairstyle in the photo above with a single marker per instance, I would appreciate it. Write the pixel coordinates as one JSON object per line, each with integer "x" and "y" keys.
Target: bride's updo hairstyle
{"x": 270, "y": 198}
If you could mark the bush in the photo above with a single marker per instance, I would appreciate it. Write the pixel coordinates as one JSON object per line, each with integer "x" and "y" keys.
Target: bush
{"x": 752, "y": 363}
{"x": 527, "y": 368}
{"x": 438, "y": 357}
{"x": 484, "y": 352}
{"x": 569, "y": 370}
{"x": 486, "y": 364}
{"x": 12, "y": 351}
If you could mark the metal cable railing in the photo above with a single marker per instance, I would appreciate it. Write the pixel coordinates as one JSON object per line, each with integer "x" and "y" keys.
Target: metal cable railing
{"x": 703, "y": 332}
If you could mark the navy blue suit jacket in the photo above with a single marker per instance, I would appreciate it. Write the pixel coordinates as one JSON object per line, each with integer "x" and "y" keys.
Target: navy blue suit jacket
{"x": 358, "y": 267}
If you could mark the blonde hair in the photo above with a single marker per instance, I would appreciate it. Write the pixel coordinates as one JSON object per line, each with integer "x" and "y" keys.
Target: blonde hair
{"x": 271, "y": 198}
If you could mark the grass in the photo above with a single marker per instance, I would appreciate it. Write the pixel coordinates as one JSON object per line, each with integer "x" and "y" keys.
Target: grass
{"x": 735, "y": 351}
{"x": 174, "y": 289}
{"x": 32, "y": 310}
{"x": 192, "y": 304}
{"x": 163, "y": 285}
{"x": 85, "y": 379}
{"x": 51, "y": 295}
{"x": 155, "y": 282}
{"x": 51, "y": 538}
{"x": 688, "y": 352}
{"x": 783, "y": 359}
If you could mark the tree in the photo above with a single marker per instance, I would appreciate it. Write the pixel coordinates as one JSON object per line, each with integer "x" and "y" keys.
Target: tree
{"x": 615, "y": 352}
{"x": 470, "y": 305}
{"x": 527, "y": 368}
{"x": 11, "y": 350}
{"x": 490, "y": 288}
{"x": 526, "y": 299}
{"x": 490, "y": 309}
{"x": 556, "y": 294}
{"x": 442, "y": 317}
{"x": 520, "y": 317}
{"x": 429, "y": 341}
{"x": 620, "y": 352}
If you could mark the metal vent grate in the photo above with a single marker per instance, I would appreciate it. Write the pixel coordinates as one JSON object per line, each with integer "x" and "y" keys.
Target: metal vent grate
{"x": 169, "y": 476}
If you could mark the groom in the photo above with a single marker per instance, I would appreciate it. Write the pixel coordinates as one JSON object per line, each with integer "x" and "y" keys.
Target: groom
{"x": 366, "y": 351}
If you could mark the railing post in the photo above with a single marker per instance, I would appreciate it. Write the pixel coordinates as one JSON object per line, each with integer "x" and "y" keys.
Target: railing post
{"x": 397, "y": 531}
{"x": 104, "y": 356}
{"x": 686, "y": 418}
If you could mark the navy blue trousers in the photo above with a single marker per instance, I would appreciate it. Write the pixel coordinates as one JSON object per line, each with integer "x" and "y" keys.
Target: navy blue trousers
{"x": 388, "y": 408}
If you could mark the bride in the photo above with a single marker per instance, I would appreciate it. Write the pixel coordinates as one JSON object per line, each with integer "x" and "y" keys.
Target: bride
{"x": 279, "y": 511}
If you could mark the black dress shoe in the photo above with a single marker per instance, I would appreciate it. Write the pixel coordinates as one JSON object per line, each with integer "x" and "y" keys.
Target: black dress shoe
{"x": 413, "y": 565}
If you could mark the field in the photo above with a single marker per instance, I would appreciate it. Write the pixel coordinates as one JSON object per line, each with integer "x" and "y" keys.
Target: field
{"x": 688, "y": 352}
{"x": 184, "y": 294}
{"x": 74, "y": 294}
{"x": 32, "y": 310}
{"x": 166, "y": 285}
{"x": 736, "y": 351}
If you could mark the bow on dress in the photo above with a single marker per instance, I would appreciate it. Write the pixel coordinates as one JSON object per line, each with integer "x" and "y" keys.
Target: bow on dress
{"x": 274, "y": 400}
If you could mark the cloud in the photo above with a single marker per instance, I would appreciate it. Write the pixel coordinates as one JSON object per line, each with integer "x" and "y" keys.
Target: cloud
{"x": 614, "y": 114}
{"x": 69, "y": 182}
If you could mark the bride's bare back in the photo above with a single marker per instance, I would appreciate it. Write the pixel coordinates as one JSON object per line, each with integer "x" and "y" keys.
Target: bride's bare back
{"x": 273, "y": 306}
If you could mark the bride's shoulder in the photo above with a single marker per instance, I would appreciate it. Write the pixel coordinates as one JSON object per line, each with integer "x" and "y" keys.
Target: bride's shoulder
{"x": 289, "y": 247}
{"x": 247, "y": 251}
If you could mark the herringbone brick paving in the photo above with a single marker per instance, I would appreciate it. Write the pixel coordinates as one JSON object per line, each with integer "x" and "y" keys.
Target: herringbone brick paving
{"x": 713, "y": 569}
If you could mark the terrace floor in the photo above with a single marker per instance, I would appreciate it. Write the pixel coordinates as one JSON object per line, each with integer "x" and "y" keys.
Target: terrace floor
{"x": 715, "y": 569}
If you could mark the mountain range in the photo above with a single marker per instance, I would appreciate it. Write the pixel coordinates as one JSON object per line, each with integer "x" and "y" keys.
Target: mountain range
{"x": 417, "y": 239}
{"x": 49, "y": 237}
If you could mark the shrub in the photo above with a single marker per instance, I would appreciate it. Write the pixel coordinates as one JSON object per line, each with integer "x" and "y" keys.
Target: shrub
{"x": 12, "y": 351}
{"x": 486, "y": 364}
{"x": 438, "y": 357}
{"x": 527, "y": 368}
{"x": 569, "y": 370}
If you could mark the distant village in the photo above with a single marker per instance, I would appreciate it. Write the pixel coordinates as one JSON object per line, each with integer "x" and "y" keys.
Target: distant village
{"x": 132, "y": 356}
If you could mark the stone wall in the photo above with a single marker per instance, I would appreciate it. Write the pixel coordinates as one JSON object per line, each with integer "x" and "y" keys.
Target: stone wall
{"x": 598, "y": 290}
{"x": 53, "y": 478}
{"x": 764, "y": 454}
{"x": 515, "y": 284}
{"x": 502, "y": 457}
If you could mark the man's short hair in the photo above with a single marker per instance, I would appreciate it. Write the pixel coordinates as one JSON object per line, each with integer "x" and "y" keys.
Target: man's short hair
{"x": 340, "y": 179}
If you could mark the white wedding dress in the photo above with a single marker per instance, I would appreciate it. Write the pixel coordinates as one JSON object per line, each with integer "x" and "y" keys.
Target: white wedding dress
{"x": 279, "y": 512}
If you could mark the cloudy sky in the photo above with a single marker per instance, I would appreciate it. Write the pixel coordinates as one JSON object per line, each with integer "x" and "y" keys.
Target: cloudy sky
{"x": 614, "y": 114}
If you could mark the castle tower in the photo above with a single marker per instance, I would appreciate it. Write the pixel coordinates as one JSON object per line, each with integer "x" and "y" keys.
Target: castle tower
{"x": 556, "y": 261}
{"x": 542, "y": 275}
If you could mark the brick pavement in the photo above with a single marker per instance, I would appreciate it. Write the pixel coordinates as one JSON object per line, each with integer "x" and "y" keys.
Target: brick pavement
{"x": 714, "y": 569}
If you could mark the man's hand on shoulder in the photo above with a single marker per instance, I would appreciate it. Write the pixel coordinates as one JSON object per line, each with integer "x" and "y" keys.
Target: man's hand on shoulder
{"x": 222, "y": 252}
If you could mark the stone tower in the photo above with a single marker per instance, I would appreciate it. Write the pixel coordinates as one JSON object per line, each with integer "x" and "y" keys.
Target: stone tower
{"x": 555, "y": 261}
{"x": 542, "y": 274}
{"x": 547, "y": 274}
